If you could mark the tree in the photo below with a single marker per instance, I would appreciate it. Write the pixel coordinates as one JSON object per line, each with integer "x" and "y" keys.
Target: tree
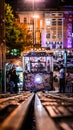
{"x": 12, "y": 31}
{"x": 17, "y": 36}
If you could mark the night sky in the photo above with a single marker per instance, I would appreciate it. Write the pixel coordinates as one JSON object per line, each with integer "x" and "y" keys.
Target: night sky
{"x": 25, "y": 5}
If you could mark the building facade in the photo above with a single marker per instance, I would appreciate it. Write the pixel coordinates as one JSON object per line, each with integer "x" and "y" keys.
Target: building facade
{"x": 51, "y": 29}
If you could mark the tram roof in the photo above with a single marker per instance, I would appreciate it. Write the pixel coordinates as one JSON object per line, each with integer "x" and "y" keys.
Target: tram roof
{"x": 37, "y": 54}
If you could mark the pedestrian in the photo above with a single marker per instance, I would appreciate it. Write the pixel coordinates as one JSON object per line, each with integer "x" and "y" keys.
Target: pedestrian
{"x": 62, "y": 79}
{"x": 48, "y": 66}
{"x": 11, "y": 82}
{"x": 40, "y": 66}
{"x": 51, "y": 80}
{"x": 12, "y": 85}
{"x": 15, "y": 80}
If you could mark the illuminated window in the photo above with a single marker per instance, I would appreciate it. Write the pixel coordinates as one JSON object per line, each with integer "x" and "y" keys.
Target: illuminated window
{"x": 25, "y": 20}
{"x": 53, "y": 21}
{"x": 47, "y": 35}
{"x": 48, "y": 22}
{"x": 59, "y": 21}
{"x": 31, "y": 21}
{"x": 59, "y": 35}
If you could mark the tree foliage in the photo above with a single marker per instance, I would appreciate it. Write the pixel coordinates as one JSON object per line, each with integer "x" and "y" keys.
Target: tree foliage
{"x": 17, "y": 36}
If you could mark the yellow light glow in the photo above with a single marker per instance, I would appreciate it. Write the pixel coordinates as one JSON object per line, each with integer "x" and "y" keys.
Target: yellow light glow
{"x": 35, "y": 16}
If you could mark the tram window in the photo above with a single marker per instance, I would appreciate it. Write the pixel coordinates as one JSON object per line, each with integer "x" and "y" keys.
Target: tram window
{"x": 34, "y": 60}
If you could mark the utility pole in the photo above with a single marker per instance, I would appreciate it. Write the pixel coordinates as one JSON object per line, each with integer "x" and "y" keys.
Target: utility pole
{"x": 72, "y": 33}
{"x": 33, "y": 27}
{"x": 2, "y": 47}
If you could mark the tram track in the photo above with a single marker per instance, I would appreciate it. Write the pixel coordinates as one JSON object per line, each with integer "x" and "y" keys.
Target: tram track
{"x": 37, "y": 111}
{"x": 14, "y": 99}
{"x": 14, "y": 111}
{"x": 59, "y": 109}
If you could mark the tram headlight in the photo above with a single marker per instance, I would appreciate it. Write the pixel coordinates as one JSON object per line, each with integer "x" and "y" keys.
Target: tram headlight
{"x": 38, "y": 78}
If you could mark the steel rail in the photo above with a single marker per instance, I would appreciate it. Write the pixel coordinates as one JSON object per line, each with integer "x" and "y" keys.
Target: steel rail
{"x": 15, "y": 119}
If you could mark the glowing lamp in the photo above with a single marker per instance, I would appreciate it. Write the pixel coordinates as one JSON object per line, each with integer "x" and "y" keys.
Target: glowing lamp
{"x": 38, "y": 78}
{"x": 36, "y": 16}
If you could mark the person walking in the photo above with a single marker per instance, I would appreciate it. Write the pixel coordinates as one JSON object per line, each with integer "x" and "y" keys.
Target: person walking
{"x": 11, "y": 82}
{"x": 15, "y": 80}
{"x": 62, "y": 79}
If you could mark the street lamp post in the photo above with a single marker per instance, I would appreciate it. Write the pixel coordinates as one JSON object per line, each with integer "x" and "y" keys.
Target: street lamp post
{"x": 34, "y": 16}
{"x": 33, "y": 26}
{"x": 33, "y": 33}
{"x": 2, "y": 45}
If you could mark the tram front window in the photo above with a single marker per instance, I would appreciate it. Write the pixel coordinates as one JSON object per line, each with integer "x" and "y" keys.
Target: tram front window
{"x": 37, "y": 62}
{"x": 38, "y": 66}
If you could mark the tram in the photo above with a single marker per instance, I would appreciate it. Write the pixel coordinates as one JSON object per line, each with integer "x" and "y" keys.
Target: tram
{"x": 37, "y": 67}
